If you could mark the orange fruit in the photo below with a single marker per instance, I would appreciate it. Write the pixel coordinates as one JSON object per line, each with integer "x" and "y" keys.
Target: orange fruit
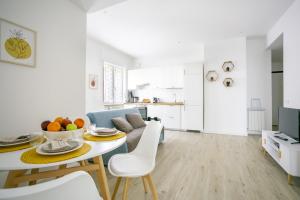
{"x": 79, "y": 123}
{"x": 59, "y": 120}
{"x": 54, "y": 126}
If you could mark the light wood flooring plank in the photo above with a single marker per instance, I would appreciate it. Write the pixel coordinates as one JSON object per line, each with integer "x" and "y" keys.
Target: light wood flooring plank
{"x": 194, "y": 166}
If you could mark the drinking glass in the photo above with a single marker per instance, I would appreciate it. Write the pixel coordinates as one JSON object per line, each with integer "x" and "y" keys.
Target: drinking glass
{"x": 92, "y": 128}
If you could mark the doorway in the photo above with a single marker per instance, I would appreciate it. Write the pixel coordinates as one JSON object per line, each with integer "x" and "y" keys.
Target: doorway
{"x": 277, "y": 79}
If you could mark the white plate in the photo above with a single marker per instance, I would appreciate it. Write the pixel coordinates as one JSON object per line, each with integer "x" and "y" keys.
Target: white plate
{"x": 41, "y": 152}
{"x": 105, "y": 130}
{"x": 34, "y": 137}
{"x": 106, "y": 135}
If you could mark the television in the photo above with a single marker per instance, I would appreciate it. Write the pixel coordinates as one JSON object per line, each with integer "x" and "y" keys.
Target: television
{"x": 289, "y": 122}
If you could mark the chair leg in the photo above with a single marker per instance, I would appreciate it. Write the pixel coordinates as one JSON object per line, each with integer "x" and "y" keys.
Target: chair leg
{"x": 116, "y": 188}
{"x": 152, "y": 187}
{"x": 145, "y": 184}
{"x": 125, "y": 191}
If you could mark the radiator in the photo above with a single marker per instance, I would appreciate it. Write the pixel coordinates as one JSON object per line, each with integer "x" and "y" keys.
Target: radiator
{"x": 256, "y": 121}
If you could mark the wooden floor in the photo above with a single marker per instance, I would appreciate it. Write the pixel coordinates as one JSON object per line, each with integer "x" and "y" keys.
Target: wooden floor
{"x": 194, "y": 166}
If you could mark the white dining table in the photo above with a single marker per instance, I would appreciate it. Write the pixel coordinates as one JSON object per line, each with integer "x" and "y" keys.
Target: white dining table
{"x": 17, "y": 169}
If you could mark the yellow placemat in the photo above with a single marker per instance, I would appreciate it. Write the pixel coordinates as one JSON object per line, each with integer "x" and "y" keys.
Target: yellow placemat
{"x": 21, "y": 146}
{"x": 89, "y": 137}
{"x": 15, "y": 148}
{"x": 32, "y": 157}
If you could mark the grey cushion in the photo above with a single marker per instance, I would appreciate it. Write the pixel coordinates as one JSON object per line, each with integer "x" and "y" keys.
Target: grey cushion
{"x": 133, "y": 138}
{"x": 136, "y": 120}
{"x": 122, "y": 124}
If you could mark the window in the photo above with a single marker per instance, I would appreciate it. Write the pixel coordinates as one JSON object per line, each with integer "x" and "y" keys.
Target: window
{"x": 114, "y": 84}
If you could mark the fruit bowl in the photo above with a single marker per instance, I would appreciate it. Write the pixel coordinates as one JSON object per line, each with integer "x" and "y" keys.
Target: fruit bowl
{"x": 63, "y": 135}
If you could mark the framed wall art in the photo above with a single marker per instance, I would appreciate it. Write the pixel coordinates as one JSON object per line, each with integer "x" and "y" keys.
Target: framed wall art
{"x": 93, "y": 81}
{"x": 17, "y": 44}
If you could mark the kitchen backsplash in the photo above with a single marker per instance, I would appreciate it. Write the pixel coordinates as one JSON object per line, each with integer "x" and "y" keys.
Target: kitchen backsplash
{"x": 165, "y": 95}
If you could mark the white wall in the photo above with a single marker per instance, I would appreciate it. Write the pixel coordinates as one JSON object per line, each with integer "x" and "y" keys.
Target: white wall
{"x": 55, "y": 87}
{"x": 288, "y": 25}
{"x": 180, "y": 58}
{"x": 259, "y": 76}
{"x": 96, "y": 54}
{"x": 225, "y": 108}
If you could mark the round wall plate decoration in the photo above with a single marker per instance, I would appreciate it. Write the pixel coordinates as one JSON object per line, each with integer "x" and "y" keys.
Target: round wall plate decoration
{"x": 228, "y": 66}
{"x": 211, "y": 76}
{"x": 228, "y": 82}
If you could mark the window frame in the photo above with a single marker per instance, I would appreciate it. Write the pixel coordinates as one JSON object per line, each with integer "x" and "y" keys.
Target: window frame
{"x": 124, "y": 72}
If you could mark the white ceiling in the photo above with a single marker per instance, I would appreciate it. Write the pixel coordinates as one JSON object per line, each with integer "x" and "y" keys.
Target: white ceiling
{"x": 177, "y": 29}
{"x": 95, "y": 5}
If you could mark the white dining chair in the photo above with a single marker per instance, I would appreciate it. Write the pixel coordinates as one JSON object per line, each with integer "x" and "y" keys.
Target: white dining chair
{"x": 138, "y": 163}
{"x": 76, "y": 186}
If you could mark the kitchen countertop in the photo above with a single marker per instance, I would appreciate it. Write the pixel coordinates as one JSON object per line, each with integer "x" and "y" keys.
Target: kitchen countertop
{"x": 141, "y": 103}
{"x": 161, "y": 103}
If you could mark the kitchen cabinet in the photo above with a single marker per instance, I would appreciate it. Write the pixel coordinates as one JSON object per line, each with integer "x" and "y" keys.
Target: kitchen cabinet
{"x": 169, "y": 115}
{"x": 172, "y": 117}
{"x": 136, "y": 77}
{"x": 172, "y": 77}
{"x": 192, "y": 117}
{"x": 164, "y": 77}
{"x": 193, "y": 98}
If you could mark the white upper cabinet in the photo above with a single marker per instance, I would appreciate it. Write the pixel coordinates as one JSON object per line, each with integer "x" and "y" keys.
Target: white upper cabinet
{"x": 172, "y": 77}
{"x": 136, "y": 77}
{"x": 164, "y": 77}
{"x": 193, "y": 89}
{"x": 131, "y": 79}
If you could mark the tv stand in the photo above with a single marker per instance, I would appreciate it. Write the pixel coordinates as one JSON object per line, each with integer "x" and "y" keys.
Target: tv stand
{"x": 286, "y": 154}
{"x": 295, "y": 143}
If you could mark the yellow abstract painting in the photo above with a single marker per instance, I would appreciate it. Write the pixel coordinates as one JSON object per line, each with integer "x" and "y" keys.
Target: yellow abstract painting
{"x": 17, "y": 44}
{"x": 18, "y": 48}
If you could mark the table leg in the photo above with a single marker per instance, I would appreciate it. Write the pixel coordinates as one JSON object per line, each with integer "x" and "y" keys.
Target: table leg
{"x": 61, "y": 167}
{"x": 101, "y": 176}
{"x": 82, "y": 163}
{"x": 85, "y": 163}
{"x": 33, "y": 171}
{"x": 10, "y": 178}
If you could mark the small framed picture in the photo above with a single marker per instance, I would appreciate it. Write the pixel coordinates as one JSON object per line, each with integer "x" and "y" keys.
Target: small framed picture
{"x": 17, "y": 44}
{"x": 93, "y": 81}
